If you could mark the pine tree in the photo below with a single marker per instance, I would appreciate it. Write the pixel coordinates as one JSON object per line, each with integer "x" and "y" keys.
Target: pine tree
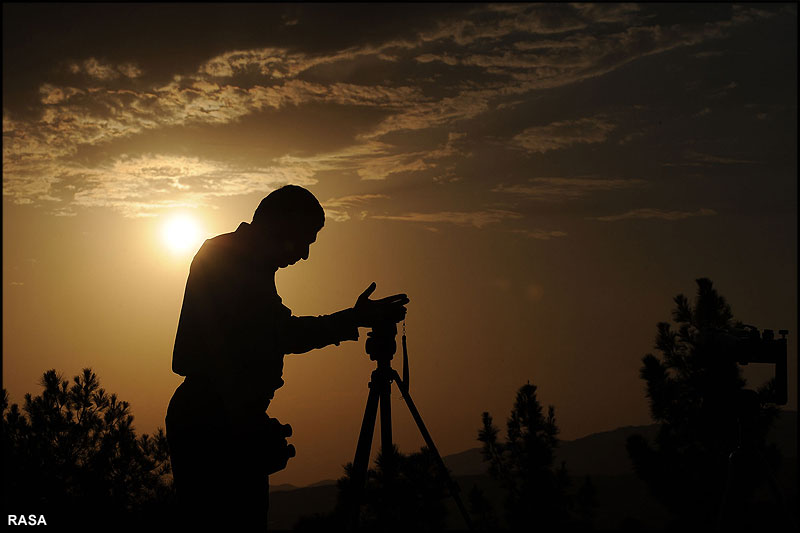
{"x": 696, "y": 392}
{"x": 72, "y": 452}
{"x": 402, "y": 493}
{"x": 524, "y": 465}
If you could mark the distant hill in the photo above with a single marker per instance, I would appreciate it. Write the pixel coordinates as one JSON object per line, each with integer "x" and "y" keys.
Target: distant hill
{"x": 604, "y": 453}
{"x": 596, "y": 454}
{"x": 623, "y": 500}
{"x": 289, "y": 486}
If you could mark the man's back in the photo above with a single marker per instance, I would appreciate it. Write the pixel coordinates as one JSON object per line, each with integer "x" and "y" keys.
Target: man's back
{"x": 230, "y": 323}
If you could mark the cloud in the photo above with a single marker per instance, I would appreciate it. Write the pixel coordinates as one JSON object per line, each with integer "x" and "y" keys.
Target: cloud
{"x": 556, "y": 189}
{"x": 497, "y": 21}
{"x": 51, "y": 94}
{"x": 563, "y": 134}
{"x": 381, "y": 167}
{"x": 660, "y": 214}
{"x": 33, "y": 151}
{"x": 376, "y": 160}
{"x": 431, "y": 114}
{"x": 477, "y": 219}
{"x": 494, "y": 55}
{"x": 281, "y": 63}
{"x": 75, "y": 117}
{"x": 709, "y": 159}
{"x": 338, "y": 209}
{"x": 724, "y": 90}
{"x": 64, "y": 212}
{"x": 32, "y": 184}
{"x": 142, "y": 185}
{"x": 371, "y": 160}
{"x": 699, "y": 159}
{"x": 105, "y": 71}
{"x": 709, "y": 54}
{"x": 540, "y": 234}
{"x": 543, "y": 46}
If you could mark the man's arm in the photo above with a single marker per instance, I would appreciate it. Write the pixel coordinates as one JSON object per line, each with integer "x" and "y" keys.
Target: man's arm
{"x": 303, "y": 333}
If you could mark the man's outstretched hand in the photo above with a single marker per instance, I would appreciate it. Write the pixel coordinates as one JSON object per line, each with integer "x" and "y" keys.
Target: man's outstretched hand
{"x": 371, "y": 312}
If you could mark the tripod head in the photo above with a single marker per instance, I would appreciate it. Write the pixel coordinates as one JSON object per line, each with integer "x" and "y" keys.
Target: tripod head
{"x": 381, "y": 344}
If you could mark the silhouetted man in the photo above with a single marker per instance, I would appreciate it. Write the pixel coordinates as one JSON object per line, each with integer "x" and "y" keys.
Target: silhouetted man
{"x": 232, "y": 336}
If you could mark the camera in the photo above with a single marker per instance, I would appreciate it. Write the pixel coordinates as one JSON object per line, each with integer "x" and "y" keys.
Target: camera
{"x": 381, "y": 344}
{"x": 748, "y": 345}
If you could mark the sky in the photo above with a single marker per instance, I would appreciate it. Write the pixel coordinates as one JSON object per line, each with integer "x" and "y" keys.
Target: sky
{"x": 540, "y": 179}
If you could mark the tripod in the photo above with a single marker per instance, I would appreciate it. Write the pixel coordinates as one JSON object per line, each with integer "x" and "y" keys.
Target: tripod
{"x": 381, "y": 346}
{"x": 747, "y": 467}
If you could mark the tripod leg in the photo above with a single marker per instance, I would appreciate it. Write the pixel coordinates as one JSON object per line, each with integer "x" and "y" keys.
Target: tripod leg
{"x": 363, "y": 449}
{"x": 777, "y": 494}
{"x": 387, "y": 449}
{"x": 454, "y": 490}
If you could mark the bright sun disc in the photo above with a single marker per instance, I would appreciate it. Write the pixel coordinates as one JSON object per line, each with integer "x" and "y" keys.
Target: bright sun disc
{"x": 181, "y": 234}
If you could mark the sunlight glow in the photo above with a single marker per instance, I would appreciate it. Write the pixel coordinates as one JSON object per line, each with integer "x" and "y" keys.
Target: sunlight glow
{"x": 181, "y": 234}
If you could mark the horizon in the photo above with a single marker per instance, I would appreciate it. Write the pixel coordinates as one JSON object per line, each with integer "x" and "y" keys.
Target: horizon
{"x": 560, "y": 441}
{"x": 540, "y": 179}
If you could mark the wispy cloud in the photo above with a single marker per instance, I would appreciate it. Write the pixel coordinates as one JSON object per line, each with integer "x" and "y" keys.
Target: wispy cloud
{"x": 495, "y": 55}
{"x": 710, "y": 159}
{"x": 558, "y": 135}
{"x": 699, "y": 159}
{"x": 477, "y": 219}
{"x": 105, "y": 71}
{"x": 555, "y": 189}
{"x": 376, "y": 160}
{"x": 540, "y": 234}
{"x": 660, "y": 214}
{"x": 143, "y": 185}
{"x": 338, "y": 209}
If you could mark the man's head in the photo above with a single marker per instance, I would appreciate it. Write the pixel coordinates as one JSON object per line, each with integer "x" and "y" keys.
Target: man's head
{"x": 290, "y": 218}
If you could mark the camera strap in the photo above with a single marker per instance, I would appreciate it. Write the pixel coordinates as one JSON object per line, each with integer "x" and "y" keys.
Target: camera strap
{"x": 405, "y": 358}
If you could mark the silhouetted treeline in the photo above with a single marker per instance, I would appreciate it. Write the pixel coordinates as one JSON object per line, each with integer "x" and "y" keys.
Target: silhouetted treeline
{"x": 72, "y": 454}
{"x": 402, "y": 493}
{"x": 409, "y": 492}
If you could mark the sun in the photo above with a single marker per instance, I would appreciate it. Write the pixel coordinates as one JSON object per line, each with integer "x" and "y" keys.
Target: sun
{"x": 181, "y": 234}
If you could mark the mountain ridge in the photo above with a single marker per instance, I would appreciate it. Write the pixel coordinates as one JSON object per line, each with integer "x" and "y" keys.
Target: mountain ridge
{"x": 598, "y": 454}
{"x": 624, "y": 499}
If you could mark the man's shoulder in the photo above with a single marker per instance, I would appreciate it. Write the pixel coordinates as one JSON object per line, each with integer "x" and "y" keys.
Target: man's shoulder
{"x": 219, "y": 249}
{"x": 223, "y": 241}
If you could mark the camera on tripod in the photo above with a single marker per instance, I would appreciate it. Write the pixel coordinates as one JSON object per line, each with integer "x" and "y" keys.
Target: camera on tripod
{"x": 381, "y": 344}
{"x": 748, "y": 345}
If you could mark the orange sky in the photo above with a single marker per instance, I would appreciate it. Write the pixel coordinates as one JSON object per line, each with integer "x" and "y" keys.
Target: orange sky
{"x": 541, "y": 180}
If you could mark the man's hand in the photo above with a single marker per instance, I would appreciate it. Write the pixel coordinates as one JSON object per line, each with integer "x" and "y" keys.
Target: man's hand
{"x": 277, "y": 449}
{"x": 370, "y": 312}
